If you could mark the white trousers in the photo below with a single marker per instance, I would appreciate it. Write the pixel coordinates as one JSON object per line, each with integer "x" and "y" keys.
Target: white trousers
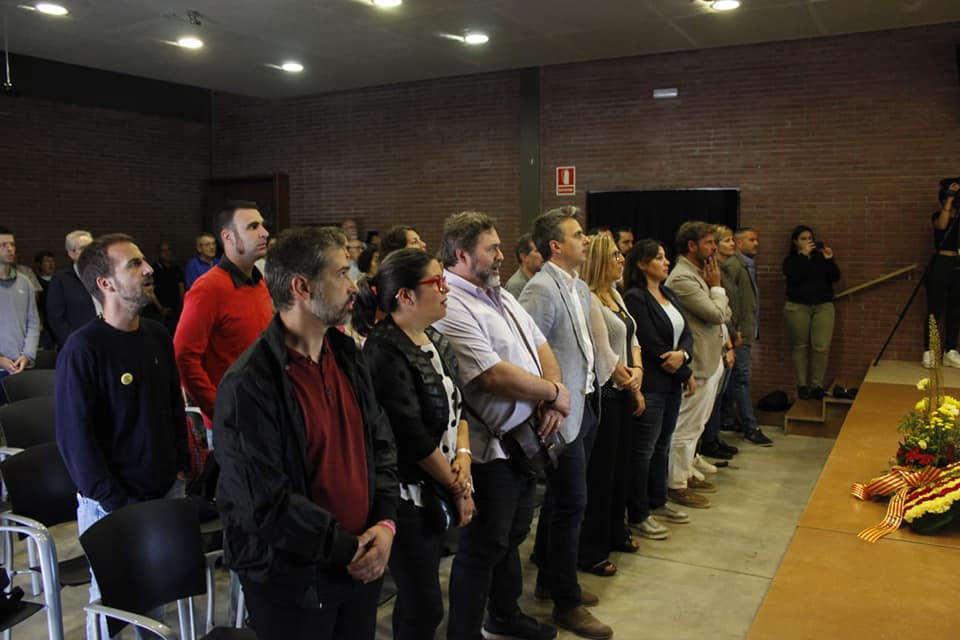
{"x": 694, "y": 413}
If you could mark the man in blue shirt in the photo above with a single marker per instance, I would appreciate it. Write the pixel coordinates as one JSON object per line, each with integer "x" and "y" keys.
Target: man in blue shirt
{"x": 19, "y": 322}
{"x": 205, "y": 259}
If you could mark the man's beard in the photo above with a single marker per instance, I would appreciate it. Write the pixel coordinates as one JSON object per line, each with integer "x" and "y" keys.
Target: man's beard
{"x": 327, "y": 315}
{"x": 136, "y": 300}
{"x": 488, "y": 277}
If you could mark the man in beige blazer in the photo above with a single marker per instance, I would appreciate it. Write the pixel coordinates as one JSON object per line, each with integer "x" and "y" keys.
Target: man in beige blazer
{"x": 696, "y": 281}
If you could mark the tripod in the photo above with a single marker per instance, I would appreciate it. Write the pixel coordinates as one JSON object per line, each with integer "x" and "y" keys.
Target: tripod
{"x": 923, "y": 278}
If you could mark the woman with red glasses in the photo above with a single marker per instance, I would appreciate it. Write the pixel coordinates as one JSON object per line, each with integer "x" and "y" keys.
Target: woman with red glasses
{"x": 414, "y": 373}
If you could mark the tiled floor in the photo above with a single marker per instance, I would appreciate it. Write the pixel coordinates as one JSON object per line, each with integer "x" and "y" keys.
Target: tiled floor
{"x": 706, "y": 581}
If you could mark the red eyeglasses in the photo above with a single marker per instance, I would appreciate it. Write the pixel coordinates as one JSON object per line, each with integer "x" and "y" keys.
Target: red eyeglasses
{"x": 440, "y": 282}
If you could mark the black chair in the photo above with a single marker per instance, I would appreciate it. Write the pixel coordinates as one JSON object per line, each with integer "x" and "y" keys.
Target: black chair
{"x": 39, "y": 487}
{"x": 27, "y": 423}
{"x": 145, "y": 555}
{"x": 32, "y": 383}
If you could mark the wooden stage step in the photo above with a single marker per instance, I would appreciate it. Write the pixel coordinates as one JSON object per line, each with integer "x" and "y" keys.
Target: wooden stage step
{"x": 820, "y": 418}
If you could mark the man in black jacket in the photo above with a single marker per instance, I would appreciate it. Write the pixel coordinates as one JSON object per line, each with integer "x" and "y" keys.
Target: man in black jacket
{"x": 308, "y": 484}
{"x": 69, "y": 305}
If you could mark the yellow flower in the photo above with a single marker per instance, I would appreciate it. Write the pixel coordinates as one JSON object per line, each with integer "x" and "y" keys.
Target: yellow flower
{"x": 923, "y": 384}
{"x": 921, "y": 406}
{"x": 951, "y": 401}
{"x": 922, "y": 444}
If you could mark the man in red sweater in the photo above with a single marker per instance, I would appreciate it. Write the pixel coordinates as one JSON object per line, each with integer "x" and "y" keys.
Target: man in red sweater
{"x": 226, "y": 308}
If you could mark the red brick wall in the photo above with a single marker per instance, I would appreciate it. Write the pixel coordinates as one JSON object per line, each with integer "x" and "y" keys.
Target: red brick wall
{"x": 411, "y": 153}
{"x": 849, "y": 135}
{"x": 64, "y": 167}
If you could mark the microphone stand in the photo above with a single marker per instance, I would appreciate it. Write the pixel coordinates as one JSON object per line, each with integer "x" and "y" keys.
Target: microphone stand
{"x": 946, "y": 234}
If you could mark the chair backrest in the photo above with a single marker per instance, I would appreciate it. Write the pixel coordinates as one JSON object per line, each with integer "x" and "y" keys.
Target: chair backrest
{"x": 39, "y": 485}
{"x": 32, "y": 383}
{"x": 27, "y": 423}
{"x": 146, "y": 554}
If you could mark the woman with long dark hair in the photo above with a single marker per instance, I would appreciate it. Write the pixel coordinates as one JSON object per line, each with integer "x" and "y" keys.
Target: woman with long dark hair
{"x": 666, "y": 345}
{"x": 414, "y": 373}
{"x": 811, "y": 271}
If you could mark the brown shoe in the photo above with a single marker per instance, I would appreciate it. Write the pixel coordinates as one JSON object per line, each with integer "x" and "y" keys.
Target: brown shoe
{"x": 587, "y": 598}
{"x": 582, "y": 623}
{"x": 688, "y": 498}
{"x": 701, "y": 486}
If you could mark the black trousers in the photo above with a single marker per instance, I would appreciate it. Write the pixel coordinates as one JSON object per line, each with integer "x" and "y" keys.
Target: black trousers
{"x": 608, "y": 480}
{"x": 943, "y": 300}
{"x": 352, "y": 619}
{"x": 415, "y": 565}
{"x": 486, "y": 569}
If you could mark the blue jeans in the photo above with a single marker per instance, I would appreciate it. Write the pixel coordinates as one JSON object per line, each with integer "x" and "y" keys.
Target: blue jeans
{"x": 738, "y": 390}
{"x": 652, "y": 434}
{"x": 486, "y": 570}
{"x": 88, "y": 512}
{"x": 558, "y": 530}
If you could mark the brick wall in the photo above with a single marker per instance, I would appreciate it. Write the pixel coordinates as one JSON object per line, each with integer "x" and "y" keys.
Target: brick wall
{"x": 411, "y": 153}
{"x": 64, "y": 167}
{"x": 848, "y": 135}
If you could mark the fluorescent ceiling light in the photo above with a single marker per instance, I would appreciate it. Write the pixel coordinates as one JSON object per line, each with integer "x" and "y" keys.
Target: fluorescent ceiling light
{"x": 725, "y": 5}
{"x": 189, "y": 42}
{"x": 476, "y": 38}
{"x": 51, "y": 9}
{"x": 387, "y": 4}
{"x": 292, "y": 67}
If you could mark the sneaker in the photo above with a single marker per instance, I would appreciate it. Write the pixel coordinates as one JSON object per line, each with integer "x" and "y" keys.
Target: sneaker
{"x": 927, "y": 360}
{"x": 803, "y": 392}
{"x": 701, "y": 486}
{"x": 702, "y": 465}
{"x": 951, "y": 358}
{"x": 651, "y": 528}
{"x": 696, "y": 473}
{"x": 587, "y": 598}
{"x": 756, "y": 437}
{"x": 715, "y": 450}
{"x": 518, "y": 626}
{"x": 817, "y": 392}
{"x": 687, "y": 498}
{"x": 674, "y": 516}
{"x": 729, "y": 448}
{"x": 581, "y": 622}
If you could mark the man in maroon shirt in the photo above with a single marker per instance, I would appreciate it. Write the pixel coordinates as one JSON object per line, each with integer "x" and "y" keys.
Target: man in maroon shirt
{"x": 308, "y": 483}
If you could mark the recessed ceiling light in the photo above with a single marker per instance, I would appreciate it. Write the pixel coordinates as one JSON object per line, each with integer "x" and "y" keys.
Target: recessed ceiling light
{"x": 292, "y": 67}
{"x": 51, "y": 9}
{"x": 189, "y": 42}
{"x": 725, "y": 5}
{"x": 476, "y": 38}
{"x": 387, "y": 4}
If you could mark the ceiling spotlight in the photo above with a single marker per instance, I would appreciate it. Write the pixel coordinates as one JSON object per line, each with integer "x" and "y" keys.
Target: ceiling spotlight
{"x": 725, "y": 5}
{"x": 292, "y": 67}
{"x": 51, "y": 9}
{"x": 189, "y": 42}
{"x": 386, "y": 4}
{"x": 476, "y": 38}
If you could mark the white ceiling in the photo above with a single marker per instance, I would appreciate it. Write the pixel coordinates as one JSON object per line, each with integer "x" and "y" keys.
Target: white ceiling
{"x": 350, "y": 43}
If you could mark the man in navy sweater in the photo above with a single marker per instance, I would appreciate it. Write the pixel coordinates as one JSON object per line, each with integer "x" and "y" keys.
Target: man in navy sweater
{"x": 120, "y": 420}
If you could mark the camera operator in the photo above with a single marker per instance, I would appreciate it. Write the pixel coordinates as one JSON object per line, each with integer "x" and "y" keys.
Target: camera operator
{"x": 943, "y": 280}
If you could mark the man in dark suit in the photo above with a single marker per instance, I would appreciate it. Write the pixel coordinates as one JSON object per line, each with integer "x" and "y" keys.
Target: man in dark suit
{"x": 69, "y": 304}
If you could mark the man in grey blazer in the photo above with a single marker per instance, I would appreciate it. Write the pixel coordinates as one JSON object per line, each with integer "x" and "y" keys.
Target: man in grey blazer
{"x": 696, "y": 281}
{"x": 559, "y": 303}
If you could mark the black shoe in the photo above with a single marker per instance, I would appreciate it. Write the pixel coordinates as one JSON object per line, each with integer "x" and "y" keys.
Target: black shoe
{"x": 729, "y": 448}
{"x": 803, "y": 393}
{"x": 756, "y": 437}
{"x": 817, "y": 393}
{"x": 714, "y": 450}
{"x": 519, "y": 626}
{"x": 731, "y": 426}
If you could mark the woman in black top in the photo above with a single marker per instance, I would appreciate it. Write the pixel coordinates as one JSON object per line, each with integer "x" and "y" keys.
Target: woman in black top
{"x": 414, "y": 372}
{"x": 942, "y": 280}
{"x": 811, "y": 271}
{"x": 666, "y": 346}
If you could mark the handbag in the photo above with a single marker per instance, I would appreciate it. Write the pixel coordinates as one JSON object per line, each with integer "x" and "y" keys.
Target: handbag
{"x": 527, "y": 453}
{"x": 439, "y": 510}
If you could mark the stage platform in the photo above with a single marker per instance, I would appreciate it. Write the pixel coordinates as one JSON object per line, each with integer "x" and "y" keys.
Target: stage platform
{"x": 830, "y": 583}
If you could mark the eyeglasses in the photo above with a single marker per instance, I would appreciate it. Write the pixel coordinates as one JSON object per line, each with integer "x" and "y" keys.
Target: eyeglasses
{"x": 440, "y": 282}
{"x": 616, "y": 255}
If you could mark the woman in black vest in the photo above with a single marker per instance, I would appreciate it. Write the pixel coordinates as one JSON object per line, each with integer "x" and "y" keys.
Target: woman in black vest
{"x": 414, "y": 372}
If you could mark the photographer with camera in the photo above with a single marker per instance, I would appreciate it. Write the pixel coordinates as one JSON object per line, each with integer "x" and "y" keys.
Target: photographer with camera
{"x": 808, "y": 311}
{"x": 942, "y": 281}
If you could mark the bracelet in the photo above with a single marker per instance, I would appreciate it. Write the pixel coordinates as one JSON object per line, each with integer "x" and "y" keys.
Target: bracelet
{"x": 557, "y": 394}
{"x": 466, "y": 451}
{"x": 389, "y": 524}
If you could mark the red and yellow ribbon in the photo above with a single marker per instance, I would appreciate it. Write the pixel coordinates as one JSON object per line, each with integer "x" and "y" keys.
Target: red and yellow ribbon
{"x": 899, "y": 481}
